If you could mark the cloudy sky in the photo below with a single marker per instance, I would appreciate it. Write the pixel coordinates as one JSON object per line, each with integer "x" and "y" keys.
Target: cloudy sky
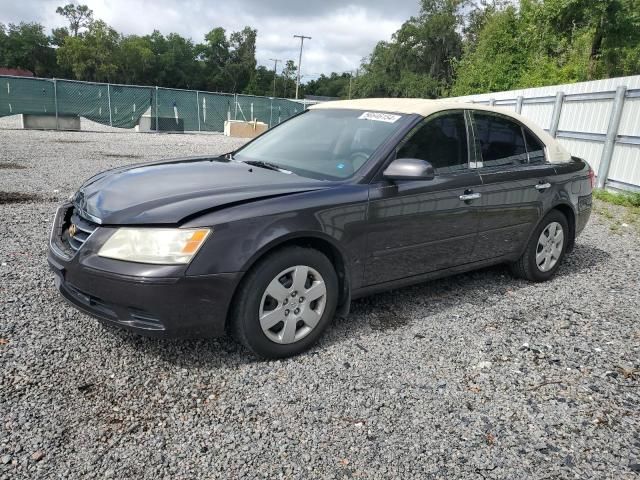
{"x": 342, "y": 31}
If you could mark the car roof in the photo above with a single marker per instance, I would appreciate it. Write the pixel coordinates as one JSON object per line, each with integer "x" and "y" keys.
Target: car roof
{"x": 425, "y": 107}
{"x": 419, "y": 106}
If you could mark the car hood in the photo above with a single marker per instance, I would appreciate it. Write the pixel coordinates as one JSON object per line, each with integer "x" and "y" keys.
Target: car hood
{"x": 171, "y": 191}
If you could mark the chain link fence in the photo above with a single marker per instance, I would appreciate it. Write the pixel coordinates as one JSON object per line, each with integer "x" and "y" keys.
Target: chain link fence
{"x": 152, "y": 109}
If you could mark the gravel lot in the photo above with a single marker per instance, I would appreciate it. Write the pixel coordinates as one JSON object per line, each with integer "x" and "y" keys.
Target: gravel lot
{"x": 476, "y": 376}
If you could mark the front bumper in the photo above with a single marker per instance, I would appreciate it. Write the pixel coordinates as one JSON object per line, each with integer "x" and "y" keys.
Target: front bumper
{"x": 152, "y": 300}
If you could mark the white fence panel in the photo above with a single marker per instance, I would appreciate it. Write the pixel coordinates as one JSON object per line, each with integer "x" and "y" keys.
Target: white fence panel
{"x": 540, "y": 113}
{"x": 630, "y": 121}
{"x": 625, "y": 166}
{"x": 588, "y": 116}
{"x": 590, "y": 150}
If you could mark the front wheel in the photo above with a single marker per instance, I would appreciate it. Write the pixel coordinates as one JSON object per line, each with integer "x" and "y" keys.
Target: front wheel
{"x": 545, "y": 249}
{"x": 285, "y": 302}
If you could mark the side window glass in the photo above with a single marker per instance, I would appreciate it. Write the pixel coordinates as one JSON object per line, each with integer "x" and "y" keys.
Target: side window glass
{"x": 535, "y": 149}
{"x": 499, "y": 140}
{"x": 442, "y": 141}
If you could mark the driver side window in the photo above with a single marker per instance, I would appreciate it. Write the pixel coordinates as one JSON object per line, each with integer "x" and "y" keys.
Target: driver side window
{"x": 442, "y": 141}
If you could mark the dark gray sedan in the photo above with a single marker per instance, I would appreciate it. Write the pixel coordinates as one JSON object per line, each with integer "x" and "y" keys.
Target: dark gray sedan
{"x": 344, "y": 200}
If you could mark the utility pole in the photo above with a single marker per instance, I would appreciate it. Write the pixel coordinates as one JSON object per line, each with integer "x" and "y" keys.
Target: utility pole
{"x": 275, "y": 74}
{"x": 301, "y": 37}
{"x": 350, "y": 77}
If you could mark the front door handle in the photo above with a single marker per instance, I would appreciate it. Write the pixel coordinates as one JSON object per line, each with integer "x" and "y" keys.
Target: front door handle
{"x": 470, "y": 196}
{"x": 543, "y": 186}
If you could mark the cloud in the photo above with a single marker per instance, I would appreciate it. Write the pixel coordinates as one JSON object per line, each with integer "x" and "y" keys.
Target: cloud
{"x": 342, "y": 31}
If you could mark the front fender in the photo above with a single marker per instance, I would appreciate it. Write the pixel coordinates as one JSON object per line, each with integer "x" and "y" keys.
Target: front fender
{"x": 242, "y": 235}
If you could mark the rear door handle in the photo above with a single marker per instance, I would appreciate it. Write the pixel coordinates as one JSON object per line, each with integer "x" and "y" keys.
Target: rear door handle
{"x": 543, "y": 186}
{"x": 470, "y": 196}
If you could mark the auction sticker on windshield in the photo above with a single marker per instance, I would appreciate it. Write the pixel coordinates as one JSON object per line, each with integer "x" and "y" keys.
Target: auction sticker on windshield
{"x": 379, "y": 117}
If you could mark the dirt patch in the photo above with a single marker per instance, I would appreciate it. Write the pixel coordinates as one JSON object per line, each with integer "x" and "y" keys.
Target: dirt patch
{"x": 388, "y": 321}
{"x": 18, "y": 197}
{"x": 11, "y": 166}
{"x": 121, "y": 155}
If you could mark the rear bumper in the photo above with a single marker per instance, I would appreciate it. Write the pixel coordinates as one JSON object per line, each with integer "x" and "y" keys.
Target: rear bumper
{"x": 180, "y": 306}
{"x": 584, "y": 212}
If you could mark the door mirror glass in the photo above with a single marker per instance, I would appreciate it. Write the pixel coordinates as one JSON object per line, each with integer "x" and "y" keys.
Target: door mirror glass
{"x": 409, "y": 169}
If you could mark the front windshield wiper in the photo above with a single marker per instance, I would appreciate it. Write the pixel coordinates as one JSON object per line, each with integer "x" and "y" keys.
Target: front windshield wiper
{"x": 267, "y": 165}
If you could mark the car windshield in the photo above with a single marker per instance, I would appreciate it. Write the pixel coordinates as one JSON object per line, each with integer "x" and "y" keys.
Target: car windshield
{"x": 328, "y": 144}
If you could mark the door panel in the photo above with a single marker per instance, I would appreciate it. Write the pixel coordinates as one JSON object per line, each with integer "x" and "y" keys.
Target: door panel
{"x": 515, "y": 184}
{"x": 420, "y": 226}
{"x": 511, "y": 206}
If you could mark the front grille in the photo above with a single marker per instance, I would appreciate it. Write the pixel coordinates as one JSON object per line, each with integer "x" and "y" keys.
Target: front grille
{"x": 83, "y": 229}
{"x": 71, "y": 231}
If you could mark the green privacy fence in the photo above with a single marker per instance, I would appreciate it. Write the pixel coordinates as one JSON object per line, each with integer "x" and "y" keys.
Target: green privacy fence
{"x": 152, "y": 108}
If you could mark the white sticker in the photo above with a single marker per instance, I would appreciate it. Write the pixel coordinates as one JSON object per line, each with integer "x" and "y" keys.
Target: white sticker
{"x": 379, "y": 117}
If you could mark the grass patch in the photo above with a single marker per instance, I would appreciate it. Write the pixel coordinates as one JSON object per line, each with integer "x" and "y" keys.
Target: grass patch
{"x": 627, "y": 199}
{"x": 619, "y": 218}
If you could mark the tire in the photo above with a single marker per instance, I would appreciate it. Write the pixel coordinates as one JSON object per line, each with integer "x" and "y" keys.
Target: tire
{"x": 287, "y": 322}
{"x": 541, "y": 260}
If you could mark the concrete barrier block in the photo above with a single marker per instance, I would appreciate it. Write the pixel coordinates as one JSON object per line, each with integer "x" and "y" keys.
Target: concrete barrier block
{"x": 241, "y": 129}
{"x": 50, "y": 122}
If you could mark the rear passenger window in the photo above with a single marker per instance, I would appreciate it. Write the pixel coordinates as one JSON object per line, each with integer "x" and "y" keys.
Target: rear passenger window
{"x": 535, "y": 149}
{"x": 442, "y": 141}
{"x": 498, "y": 140}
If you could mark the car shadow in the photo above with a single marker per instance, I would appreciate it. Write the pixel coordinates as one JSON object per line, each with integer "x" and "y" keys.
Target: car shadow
{"x": 396, "y": 308}
{"x": 385, "y": 311}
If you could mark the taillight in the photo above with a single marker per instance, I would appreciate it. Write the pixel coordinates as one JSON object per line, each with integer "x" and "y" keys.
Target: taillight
{"x": 592, "y": 178}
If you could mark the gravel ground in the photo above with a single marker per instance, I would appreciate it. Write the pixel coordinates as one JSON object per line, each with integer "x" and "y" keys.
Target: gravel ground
{"x": 475, "y": 376}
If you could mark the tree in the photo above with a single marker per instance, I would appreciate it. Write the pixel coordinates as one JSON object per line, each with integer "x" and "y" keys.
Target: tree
{"x": 496, "y": 60}
{"x": 547, "y": 42}
{"x": 92, "y": 56}
{"x": 261, "y": 82}
{"x": 214, "y": 54}
{"x": 288, "y": 77}
{"x": 242, "y": 58}
{"x": 135, "y": 60}
{"x": 78, "y": 16}
{"x": 26, "y": 46}
{"x": 419, "y": 60}
{"x": 334, "y": 85}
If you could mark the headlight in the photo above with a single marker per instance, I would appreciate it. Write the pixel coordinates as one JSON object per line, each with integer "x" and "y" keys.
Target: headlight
{"x": 155, "y": 245}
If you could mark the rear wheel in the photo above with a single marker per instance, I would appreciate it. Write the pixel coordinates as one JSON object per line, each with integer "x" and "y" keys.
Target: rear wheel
{"x": 545, "y": 249}
{"x": 285, "y": 302}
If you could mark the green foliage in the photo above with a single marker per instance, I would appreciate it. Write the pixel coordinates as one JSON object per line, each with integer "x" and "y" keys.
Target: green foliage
{"x": 91, "y": 55}
{"x": 419, "y": 59}
{"x": 546, "y": 42}
{"x": 26, "y": 46}
{"x": 625, "y": 199}
{"x": 334, "y": 85}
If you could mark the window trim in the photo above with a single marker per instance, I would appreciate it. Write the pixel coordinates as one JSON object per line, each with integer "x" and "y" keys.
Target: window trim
{"x": 416, "y": 128}
{"x": 526, "y": 130}
{"x": 523, "y": 129}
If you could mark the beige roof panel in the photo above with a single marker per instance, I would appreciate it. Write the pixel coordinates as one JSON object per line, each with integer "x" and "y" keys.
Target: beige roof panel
{"x": 425, "y": 107}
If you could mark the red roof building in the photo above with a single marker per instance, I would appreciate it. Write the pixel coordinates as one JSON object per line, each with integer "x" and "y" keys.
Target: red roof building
{"x": 17, "y": 72}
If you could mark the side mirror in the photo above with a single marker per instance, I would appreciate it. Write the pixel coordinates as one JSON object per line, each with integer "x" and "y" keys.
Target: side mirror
{"x": 409, "y": 169}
